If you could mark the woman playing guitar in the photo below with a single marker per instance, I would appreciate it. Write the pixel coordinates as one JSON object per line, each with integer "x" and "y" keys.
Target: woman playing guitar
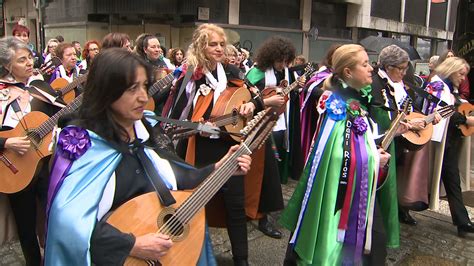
{"x": 115, "y": 158}
{"x": 198, "y": 92}
{"x": 16, "y": 69}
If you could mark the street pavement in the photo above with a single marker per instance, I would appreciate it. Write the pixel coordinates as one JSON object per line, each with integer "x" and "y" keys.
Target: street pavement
{"x": 433, "y": 241}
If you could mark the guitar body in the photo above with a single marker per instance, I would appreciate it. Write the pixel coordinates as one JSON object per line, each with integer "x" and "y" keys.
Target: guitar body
{"x": 229, "y": 101}
{"x": 269, "y": 92}
{"x": 466, "y": 109}
{"x": 414, "y": 140}
{"x": 59, "y": 84}
{"x": 25, "y": 164}
{"x": 150, "y": 106}
{"x": 139, "y": 216}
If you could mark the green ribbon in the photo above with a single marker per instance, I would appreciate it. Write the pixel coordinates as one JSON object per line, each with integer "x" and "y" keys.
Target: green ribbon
{"x": 367, "y": 92}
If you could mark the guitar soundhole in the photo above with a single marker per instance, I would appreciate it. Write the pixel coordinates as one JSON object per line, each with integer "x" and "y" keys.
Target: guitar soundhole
{"x": 34, "y": 137}
{"x": 170, "y": 225}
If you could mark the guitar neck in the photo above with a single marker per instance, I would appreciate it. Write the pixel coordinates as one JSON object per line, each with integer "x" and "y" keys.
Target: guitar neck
{"x": 161, "y": 84}
{"x": 392, "y": 131}
{"x": 209, "y": 187}
{"x": 49, "y": 124}
{"x": 74, "y": 84}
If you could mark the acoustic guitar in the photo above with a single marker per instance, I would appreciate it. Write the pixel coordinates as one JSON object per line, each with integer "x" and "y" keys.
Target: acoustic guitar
{"x": 156, "y": 87}
{"x": 65, "y": 89}
{"x": 284, "y": 90}
{"x": 18, "y": 170}
{"x": 184, "y": 221}
{"x": 414, "y": 140}
{"x": 224, "y": 114}
{"x": 466, "y": 109}
{"x": 389, "y": 136}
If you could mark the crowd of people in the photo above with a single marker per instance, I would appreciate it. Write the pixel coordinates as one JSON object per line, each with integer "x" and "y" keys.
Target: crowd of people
{"x": 333, "y": 121}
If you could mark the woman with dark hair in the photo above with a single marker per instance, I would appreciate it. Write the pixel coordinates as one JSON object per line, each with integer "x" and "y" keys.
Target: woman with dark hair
{"x": 91, "y": 49}
{"x": 148, "y": 47}
{"x": 113, "y": 156}
{"x": 116, "y": 39}
{"x": 273, "y": 58}
{"x": 177, "y": 56}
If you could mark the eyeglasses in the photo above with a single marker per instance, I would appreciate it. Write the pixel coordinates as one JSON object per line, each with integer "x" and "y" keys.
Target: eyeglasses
{"x": 402, "y": 69}
{"x": 93, "y": 49}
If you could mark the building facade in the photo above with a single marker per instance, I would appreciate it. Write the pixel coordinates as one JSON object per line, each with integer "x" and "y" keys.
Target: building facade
{"x": 312, "y": 25}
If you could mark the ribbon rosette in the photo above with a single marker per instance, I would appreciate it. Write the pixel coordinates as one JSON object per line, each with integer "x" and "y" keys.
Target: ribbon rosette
{"x": 321, "y": 107}
{"x": 204, "y": 89}
{"x": 73, "y": 142}
{"x": 354, "y": 107}
{"x": 359, "y": 126}
{"x": 336, "y": 108}
{"x": 434, "y": 86}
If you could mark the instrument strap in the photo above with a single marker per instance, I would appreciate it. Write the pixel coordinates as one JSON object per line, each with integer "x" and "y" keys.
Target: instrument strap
{"x": 427, "y": 96}
{"x": 160, "y": 187}
{"x": 182, "y": 88}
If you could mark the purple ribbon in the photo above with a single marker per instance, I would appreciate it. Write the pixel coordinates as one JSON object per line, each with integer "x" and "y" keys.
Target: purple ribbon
{"x": 435, "y": 86}
{"x": 356, "y": 229}
{"x": 73, "y": 142}
{"x": 363, "y": 197}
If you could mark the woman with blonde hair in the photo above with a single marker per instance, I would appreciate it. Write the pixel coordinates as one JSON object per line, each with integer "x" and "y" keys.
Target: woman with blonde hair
{"x": 50, "y": 49}
{"x": 333, "y": 204}
{"x": 197, "y": 95}
{"x": 447, "y": 136}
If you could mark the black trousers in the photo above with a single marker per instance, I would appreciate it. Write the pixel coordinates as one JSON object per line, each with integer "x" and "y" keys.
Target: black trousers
{"x": 24, "y": 208}
{"x": 451, "y": 178}
{"x": 236, "y": 219}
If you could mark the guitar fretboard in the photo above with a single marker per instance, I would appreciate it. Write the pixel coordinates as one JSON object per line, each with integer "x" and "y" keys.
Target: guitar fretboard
{"x": 49, "y": 124}
{"x": 160, "y": 84}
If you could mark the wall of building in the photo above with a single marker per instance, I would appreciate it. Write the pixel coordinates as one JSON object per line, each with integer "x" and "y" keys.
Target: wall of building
{"x": 14, "y": 11}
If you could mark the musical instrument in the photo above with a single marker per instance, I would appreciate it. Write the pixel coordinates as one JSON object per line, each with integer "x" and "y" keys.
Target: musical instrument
{"x": 65, "y": 89}
{"x": 415, "y": 139}
{"x": 466, "y": 109}
{"x": 389, "y": 136}
{"x": 48, "y": 66}
{"x": 18, "y": 170}
{"x": 284, "y": 90}
{"x": 156, "y": 87}
{"x": 224, "y": 114}
{"x": 184, "y": 220}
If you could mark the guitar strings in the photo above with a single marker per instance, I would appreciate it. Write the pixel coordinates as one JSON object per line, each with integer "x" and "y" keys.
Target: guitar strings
{"x": 173, "y": 225}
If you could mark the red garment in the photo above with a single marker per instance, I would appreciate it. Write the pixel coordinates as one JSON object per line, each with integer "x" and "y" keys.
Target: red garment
{"x": 464, "y": 89}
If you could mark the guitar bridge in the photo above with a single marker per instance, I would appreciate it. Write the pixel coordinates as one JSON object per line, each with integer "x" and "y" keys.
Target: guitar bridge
{"x": 8, "y": 163}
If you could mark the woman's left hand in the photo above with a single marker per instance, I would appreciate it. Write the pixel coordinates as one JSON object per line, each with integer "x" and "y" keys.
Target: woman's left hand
{"x": 244, "y": 161}
{"x": 417, "y": 124}
{"x": 247, "y": 109}
{"x": 301, "y": 81}
{"x": 403, "y": 128}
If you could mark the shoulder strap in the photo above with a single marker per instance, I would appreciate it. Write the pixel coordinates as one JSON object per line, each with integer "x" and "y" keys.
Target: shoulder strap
{"x": 186, "y": 79}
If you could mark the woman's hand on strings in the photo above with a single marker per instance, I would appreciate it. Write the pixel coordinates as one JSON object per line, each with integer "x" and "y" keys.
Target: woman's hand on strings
{"x": 247, "y": 109}
{"x": 244, "y": 161}
{"x": 274, "y": 101}
{"x": 151, "y": 246}
{"x": 18, "y": 144}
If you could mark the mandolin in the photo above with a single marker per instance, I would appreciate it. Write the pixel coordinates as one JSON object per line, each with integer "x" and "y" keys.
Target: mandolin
{"x": 284, "y": 89}
{"x": 18, "y": 170}
{"x": 184, "y": 221}
{"x": 224, "y": 114}
{"x": 466, "y": 109}
{"x": 414, "y": 140}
